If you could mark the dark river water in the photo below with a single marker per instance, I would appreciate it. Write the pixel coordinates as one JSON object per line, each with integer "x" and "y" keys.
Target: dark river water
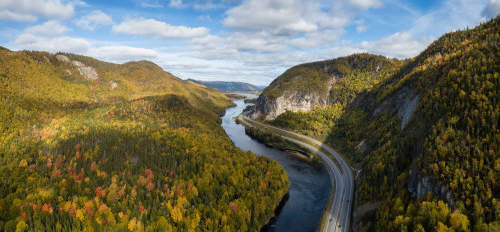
{"x": 309, "y": 187}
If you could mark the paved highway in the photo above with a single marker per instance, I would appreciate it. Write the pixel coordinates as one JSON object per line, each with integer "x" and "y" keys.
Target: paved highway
{"x": 339, "y": 213}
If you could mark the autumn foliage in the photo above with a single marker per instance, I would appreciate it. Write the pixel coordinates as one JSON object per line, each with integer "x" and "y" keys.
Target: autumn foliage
{"x": 73, "y": 161}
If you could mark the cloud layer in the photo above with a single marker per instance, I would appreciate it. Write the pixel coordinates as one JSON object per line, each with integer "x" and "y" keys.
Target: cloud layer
{"x": 31, "y": 10}
{"x": 158, "y": 29}
{"x": 94, "y": 19}
{"x": 244, "y": 40}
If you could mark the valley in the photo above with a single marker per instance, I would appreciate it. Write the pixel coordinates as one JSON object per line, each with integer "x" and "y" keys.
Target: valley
{"x": 378, "y": 116}
{"x": 309, "y": 188}
{"x": 337, "y": 217}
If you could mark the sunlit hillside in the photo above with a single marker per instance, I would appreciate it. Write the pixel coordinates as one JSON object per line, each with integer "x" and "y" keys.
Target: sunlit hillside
{"x": 121, "y": 147}
{"x": 425, "y": 139}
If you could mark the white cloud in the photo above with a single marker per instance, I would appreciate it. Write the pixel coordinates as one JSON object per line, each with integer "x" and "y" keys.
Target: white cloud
{"x": 58, "y": 44}
{"x": 281, "y": 17}
{"x": 122, "y": 53}
{"x": 185, "y": 66}
{"x": 399, "y": 45}
{"x": 300, "y": 24}
{"x": 265, "y": 36}
{"x": 46, "y": 37}
{"x": 211, "y": 47}
{"x": 149, "y": 4}
{"x": 14, "y": 16}
{"x": 207, "y": 5}
{"x": 94, "y": 19}
{"x": 344, "y": 50}
{"x": 492, "y": 9}
{"x": 158, "y": 29}
{"x": 365, "y": 4}
{"x": 262, "y": 45}
{"x": 176, "y": 3}
{"x": 323, "y": 38}
{"x": 259, "y": 42}
{"x": 31, "y": 10}
{"x": 49, "y": 28}
{"x": 360, "y": 26}
{"x": 205, "y": 18}
{"x": 450, "y": 16}
{"x": 201, "y": 5}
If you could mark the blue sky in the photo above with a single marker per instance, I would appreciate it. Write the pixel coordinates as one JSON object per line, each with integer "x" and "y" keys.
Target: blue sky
{"x": 238, "y": 40}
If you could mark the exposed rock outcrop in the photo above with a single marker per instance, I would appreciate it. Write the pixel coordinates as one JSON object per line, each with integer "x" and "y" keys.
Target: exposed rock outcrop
{"x": 404, "y": 103}
{"x": 318, "y": 84}
{"x": 86, "y": 71}
{"x": 269, "y": 108}
{"x": 63, "y": 58}
{"x": 419, "y": 186}
{"x": 363, "y": 146}
{"x": 113, "y": 85}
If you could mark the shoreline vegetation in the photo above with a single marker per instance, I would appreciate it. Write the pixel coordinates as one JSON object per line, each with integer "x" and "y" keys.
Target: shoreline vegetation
{"x": 235, "y": 96}
{"x": 279, "y": 143}
{"x": 277, "y": 210}
{"x": 250, "y": 100}
{"x": 294, "y": 150}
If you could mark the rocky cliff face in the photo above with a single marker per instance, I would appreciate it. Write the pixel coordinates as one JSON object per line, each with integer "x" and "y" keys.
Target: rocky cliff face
{"x": 86, "y": 71}
{"x": 419, "y": 186}
{"x": 268, "y": 108}
{"x": 306, "y": 86}
{"x": 403, "y": 103}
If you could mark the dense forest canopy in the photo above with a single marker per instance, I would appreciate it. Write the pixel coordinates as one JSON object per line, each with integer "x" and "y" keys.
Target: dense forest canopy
{"x": 424, "y": 138}
{"x": 348, "y": 75}
{"x": 135, "y": 149}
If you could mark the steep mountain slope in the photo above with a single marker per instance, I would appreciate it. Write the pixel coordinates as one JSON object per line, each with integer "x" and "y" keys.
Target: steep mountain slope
{"x": 87, "y": 145}
{"x": 230, "y": 86}
{"x": 74, "y": 78}
{"x": 425, "y": 141}
{"x": 305, "y": 86}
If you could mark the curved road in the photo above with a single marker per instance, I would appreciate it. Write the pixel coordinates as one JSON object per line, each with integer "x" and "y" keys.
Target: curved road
{"x": 339, "y": 213}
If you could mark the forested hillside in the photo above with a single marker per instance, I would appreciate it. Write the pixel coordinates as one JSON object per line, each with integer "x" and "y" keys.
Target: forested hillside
{"x": 325, "y": 83}
{"x": 351, "y": 73}
{"x": 92, "y": 146}
{"x": 425, "y": 140}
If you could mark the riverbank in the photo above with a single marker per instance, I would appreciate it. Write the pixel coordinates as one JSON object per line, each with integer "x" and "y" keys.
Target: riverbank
{"x": 339, "y": 213}
{"x": 309, "y": 187}
{"x": 277, "y": 142}
{"x": 277, "y": 210}
{"x": 250, "y": 100}
{"x": 235, "y": 96}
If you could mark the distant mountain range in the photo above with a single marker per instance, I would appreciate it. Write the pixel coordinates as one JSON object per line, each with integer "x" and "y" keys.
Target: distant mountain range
{"x": 230, "y": 86}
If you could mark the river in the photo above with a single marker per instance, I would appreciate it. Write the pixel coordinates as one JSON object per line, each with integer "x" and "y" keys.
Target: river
{"x": 309, "y": 187}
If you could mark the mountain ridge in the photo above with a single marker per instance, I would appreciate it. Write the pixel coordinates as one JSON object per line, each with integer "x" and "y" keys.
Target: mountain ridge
{"x": 92, "y": 145}
{"x": 423, "y": 139}
{"x": 322, "y": 83}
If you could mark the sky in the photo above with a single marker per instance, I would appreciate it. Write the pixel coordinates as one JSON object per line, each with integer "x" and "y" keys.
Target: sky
{"x": 252, "y": 41}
